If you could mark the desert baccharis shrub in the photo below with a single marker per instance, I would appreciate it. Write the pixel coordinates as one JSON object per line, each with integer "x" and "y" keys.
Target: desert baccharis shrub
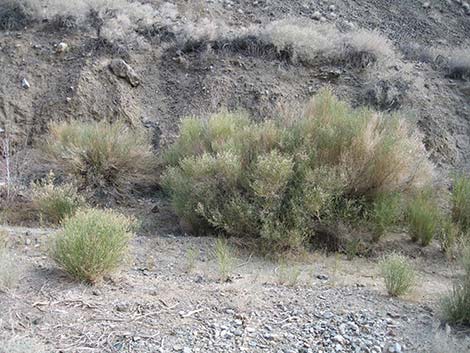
{"x": 92, "y": 243}
{"x": 461, "y": 202}
{"x": 456, "y": 305}
{"x": 276, "y": 181}
{"x": 105, "y": 158}
{"x": 423, "y": 217}
{"x": 398, "y": 274}
{"x": 56, "y": 202}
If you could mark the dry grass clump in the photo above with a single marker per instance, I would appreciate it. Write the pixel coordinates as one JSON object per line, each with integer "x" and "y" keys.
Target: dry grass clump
{"x": 458, "y": 65}
{"x": 310, "y": 43}
{"x": 17, "y": 14}
{"x": 92, "y": 243}
{"x": 10, "y": 268}
{"x": 279, "y": 182}
{"x": 398, "y": 274}
{"x": 55, "y": 202}
{"x": 104, "y": 158}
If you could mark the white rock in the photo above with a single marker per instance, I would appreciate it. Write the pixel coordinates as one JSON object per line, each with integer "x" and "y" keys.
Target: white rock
{"x": 25, "y": 84}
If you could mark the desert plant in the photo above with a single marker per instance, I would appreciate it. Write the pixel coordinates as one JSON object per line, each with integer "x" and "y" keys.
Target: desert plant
{"x": 191, "y": 257}
{"x": 398, "y": 274}
{"x": 105, "y": 158}
{"x": 423, "y": 216}
{"x": 55, "y": 202}
{"x": 461, "y": 202}
{"x": 10, "y": 270}
{"x": 3, "y": 239}
{"x": 448, "y": 234}
{"x": 456, "y": 305}
{"x": 225, "y": 259}
{"x": 288, "y": 274}
{"x": 385, "y": 212}
{"x": 280, "y": 182}
{"x": 16, "y": 14}
{"x": 92, "y": 243}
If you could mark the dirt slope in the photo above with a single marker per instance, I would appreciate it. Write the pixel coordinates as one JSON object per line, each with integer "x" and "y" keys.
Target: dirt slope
{"x": 78, "y": 84}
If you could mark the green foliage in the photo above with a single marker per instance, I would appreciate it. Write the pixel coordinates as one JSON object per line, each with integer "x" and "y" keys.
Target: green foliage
{"x": 398, "y": 274}
{"x": 449, "y": 234}
{"x": 225, "y": 259}
{"x": 423, "y": 217}
{"x": 456, "y": 305}
{"x": 92, "y": 243}
{"x": 385, "y": 213}
{"x": 275, "y": 181}
{"x": 104, "y": 158}
{"x": 55, "y": 202}
{"x": 461, "y": 202}
{"x": 288, "y": 274}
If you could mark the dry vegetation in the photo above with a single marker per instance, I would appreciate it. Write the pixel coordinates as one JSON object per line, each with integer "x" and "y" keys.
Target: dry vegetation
{"x": 284, "y": 182}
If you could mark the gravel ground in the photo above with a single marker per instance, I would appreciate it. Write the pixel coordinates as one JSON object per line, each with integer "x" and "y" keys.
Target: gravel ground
{"x": 171, "y": 301}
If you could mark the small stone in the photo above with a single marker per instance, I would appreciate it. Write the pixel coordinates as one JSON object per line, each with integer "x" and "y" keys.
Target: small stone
{"x": 323, "y": 277}
{"x": 27, "y": 241}
{"x": 332, "y": 8}
{"x": 25, "y": 84}
{"x": 396, "y": 348}
{"x": 187, "y": 350}
{"x": 121, "y": 69}
{"x": 339, "y": 339}
{"x": 61, "y": 48}
{"x": 427, "y": 5}
{"x": 316, "y": 15}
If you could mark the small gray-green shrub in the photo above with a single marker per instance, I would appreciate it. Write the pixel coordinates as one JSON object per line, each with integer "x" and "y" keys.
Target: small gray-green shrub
{"x": 105, "y": 158}
{"x": 385, "y": 212}
{"x": 92, "y": 243}
{"x": 398, "y": 274}
{"x": 277, "y": 181}
{"x": 461, "y": 202}
{"x": 456, "y": 305}
{"x": 423, "y": 217}
{"x": 225, "y": 259}
{"x": 288, "y": 274}
{"x": 55, "y": 202}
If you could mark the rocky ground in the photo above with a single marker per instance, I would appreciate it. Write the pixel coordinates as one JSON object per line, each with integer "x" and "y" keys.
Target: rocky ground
{"x": 172, "y": 300}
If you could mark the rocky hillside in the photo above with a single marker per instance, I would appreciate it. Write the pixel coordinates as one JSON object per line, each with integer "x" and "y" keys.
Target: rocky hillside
{"x": 194, "y": 57}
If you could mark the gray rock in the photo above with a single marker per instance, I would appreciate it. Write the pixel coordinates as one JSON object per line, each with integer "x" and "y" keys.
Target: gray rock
{"x": 426, "y": 4}
{"x": 121, "y": 69}
{"x": 317, "y": 15}
{"x": 25, "y": 84}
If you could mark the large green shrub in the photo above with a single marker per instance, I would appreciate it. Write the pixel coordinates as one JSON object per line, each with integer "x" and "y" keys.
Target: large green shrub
{"x": 278, "y": 180}
{"x": 104, "y": 158}
{"x": 92, "y": 243}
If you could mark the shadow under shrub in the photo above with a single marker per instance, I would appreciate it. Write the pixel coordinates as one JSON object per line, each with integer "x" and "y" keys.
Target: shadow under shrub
{"x": 92, "y": 243}
{"x": 105, "y": 158}
{"x": 280, "y": 181}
